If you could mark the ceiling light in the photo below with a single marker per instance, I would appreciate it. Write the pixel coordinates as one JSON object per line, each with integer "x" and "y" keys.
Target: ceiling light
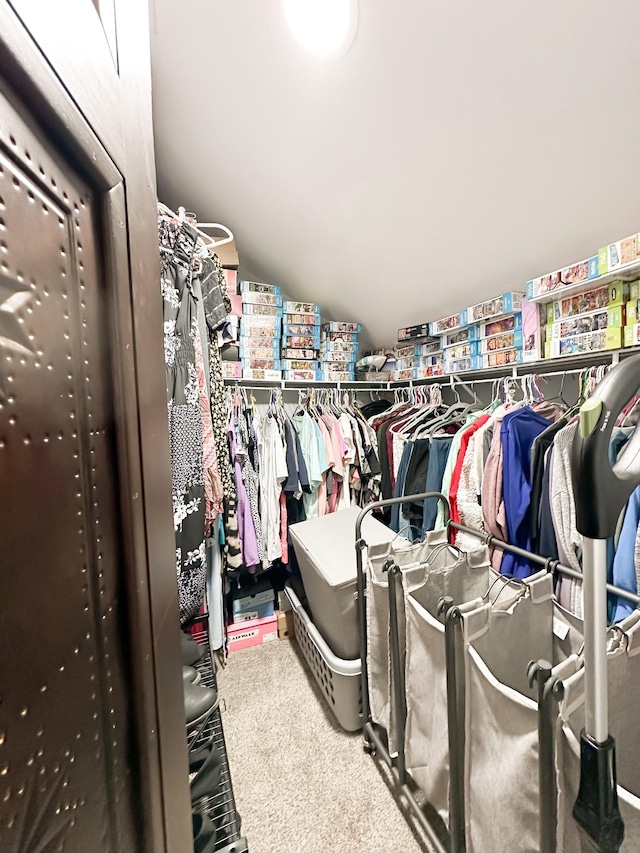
{"x": 324, "y": 27}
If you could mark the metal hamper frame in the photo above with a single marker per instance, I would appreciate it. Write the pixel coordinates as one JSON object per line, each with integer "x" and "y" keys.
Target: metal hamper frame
{"x": 549, "y": 690}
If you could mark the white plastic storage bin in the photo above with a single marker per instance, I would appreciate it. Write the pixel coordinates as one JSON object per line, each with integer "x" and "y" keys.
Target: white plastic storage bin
{"x": 339, "y": 680}
{"x": 325, "y": 548}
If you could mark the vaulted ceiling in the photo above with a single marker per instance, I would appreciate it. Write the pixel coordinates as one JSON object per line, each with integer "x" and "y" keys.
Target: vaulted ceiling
{"x": 457, "y": 149}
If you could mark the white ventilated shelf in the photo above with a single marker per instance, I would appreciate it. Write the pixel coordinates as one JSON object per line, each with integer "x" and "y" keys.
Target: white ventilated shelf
{"x": 562, "y": 364}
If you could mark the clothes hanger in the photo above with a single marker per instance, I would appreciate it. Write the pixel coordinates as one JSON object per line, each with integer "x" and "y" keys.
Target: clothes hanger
{"x": 228, "y": 239}
{"x": 422, "y": 410}
{"x": 456, "y": 412}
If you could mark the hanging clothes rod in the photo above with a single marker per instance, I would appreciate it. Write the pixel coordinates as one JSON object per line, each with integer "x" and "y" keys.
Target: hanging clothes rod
{"x": 301, "y": 384}
{"x": 548, "y": 563}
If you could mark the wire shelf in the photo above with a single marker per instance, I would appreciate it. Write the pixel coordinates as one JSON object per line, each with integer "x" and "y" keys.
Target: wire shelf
{"x": 221, "y": 806}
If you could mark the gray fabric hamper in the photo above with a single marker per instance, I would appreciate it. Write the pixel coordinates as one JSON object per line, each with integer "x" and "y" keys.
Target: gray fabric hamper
{"x": 325, "y": 548}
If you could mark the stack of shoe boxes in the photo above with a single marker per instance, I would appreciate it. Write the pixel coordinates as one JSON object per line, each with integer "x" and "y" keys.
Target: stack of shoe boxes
{"x": 260, "y": 330}
{"x": 254, "y": 620}
{"x": 301, "y": 341}
{"x": 339, "y": 351}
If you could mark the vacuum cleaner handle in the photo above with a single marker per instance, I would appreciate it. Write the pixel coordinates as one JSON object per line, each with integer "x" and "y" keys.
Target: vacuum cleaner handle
{"x": 602, "y": 489}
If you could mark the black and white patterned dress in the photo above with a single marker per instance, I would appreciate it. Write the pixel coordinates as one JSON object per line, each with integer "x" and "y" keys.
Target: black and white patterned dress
{"x": 185, "y": 422}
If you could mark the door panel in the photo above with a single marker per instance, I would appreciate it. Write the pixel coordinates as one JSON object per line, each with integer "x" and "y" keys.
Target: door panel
{"x": 73, "y": 38}
{"x": 87, "y": 557}
{"x": 65, "y": 737}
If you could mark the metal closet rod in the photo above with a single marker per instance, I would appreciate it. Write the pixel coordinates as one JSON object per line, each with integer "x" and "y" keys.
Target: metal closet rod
{"x": 548, "y": 563}
{"x": 540, "y": 375}
{"x": 302, "y": 384}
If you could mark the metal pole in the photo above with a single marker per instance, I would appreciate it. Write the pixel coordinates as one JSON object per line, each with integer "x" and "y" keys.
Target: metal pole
{"x": 594, "y": 559}
{"x": 362, "y": 617}
{"x": 397, "y": 675}
{"x": 551, "y": 565}
{"x": 455, "y": 726}
{"x": 540, "y": 672}
{"x": 361, "y": 589}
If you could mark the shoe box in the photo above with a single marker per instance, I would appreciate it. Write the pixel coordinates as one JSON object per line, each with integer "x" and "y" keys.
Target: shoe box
{"x": 254, "y": 602}
{"x": 253, "y": 632}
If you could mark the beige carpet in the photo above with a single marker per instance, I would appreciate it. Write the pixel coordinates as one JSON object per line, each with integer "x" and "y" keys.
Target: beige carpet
{"x": 302, "y": 784}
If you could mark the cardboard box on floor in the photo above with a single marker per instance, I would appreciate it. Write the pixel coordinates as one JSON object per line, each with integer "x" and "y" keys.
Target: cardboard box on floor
{"x": 285, "y": 624}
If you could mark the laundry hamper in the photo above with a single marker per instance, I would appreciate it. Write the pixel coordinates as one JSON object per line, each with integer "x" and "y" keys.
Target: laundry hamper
{"x": 402, "y": 553}
{"x": 338, "y": 679}
{"x": 623, "y": 664}
{"x": 326, "y": 556}
{"x": 501, "y": 754}
{"x": 461, "y": 576}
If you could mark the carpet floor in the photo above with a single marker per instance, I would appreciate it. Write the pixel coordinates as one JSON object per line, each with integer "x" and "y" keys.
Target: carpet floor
{"x": 302, "y": 784}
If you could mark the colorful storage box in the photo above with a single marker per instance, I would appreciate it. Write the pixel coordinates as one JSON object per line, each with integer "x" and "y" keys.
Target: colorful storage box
{"x": 419, "y": 331}
{"x": 470, "y": 348}
{"x": 447, "y": 324}
{"x": 407, "y": 363}
{"x": 606, "y": 339}
{"x": 263, "y": 375}
{"x": 251, "y": 298}
{"x": 575, "y": 273}
{"x": 301, "y": 329}
{"x": 336, "y": 326}
{"x": 259, "y": 287}
{"x": 301, "y": 308}
{"x": 339, "y": 346}
{"x": 231, "y": 370}
{"x": 299, "y": 364}
{"x": 429, "y": 371}
{"x": 429, "y": 348}
{"x": 331, "y": 337}
{"x": 469, "y": 333}
{"x": 544, "y": 284}
{"x": 505, "y": 304}
{"x": 502, "y": 358}
{"x": 261, "y": 363}
{"x": 459, "y": 365}
{"x": 300, "y": 354}
{"x": 299, "y": 342}
{"x": 302, "y": 319}
{"x": 579, "y": 303}
{"x": 338, "y": 375}
{"x": 262, "y": 310}
{"x": 249, "y": 353}
{"x": 302, "y": 375}
{"x": 506, "y": 340}
{"x": 337, "y": 356}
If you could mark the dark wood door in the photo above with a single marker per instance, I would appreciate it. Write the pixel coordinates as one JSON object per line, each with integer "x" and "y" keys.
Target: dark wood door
{"x": 92, "y": 747}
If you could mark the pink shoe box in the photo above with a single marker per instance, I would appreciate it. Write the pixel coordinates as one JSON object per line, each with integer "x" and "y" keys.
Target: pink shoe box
{"x": 254, "y": 632}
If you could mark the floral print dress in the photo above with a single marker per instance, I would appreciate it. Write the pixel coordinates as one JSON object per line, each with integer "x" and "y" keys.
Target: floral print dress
{"x": 181, "y": 337}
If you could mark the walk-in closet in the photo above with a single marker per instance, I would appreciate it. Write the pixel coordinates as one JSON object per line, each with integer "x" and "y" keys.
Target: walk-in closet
{"x": 319, "y": 444}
